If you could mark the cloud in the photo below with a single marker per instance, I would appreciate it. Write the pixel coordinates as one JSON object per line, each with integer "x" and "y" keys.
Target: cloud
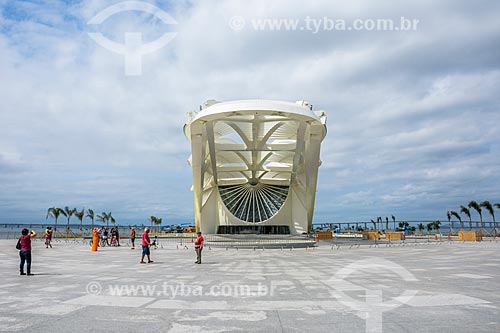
{"x": 413, "y": 115}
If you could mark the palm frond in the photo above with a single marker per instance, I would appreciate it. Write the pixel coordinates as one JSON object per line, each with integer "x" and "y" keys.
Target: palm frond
{"x": 51, "y": 212}
{"x": 488, "y": 206}
{"x": 90, "y": 214}
{"x": 474, "y": 205}
{"x": 465, "y": 210}
{"x": 453, "y": 213}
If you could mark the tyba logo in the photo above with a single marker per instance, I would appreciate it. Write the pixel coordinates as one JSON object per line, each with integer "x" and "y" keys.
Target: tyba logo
{"x": 133, "y": 49}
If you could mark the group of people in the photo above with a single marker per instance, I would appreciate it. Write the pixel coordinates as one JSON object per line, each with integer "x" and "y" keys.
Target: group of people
{"x": 147, "y": 244}
{"x": 24, "y": 245}
{"x": 106, "y": 236}
{"x": 111, "y": 237}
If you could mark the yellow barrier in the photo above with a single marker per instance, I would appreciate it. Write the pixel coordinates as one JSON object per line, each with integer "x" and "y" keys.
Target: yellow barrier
{"x": 323, "y": 235}
{"x": 370, "y": 235}
{"x": 469, "y": 236}
{"x": 394, "y": 235}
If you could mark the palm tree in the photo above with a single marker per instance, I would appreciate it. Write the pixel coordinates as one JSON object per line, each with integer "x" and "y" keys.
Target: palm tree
{"x": 453, "y": 213}
{"x": 448, "y": 215}
{"x": 436, "y": 225}
{"x": 489, "y": 207}
{"x": 477, "y": 208}
{"x": 394, "y": 221}
{"x": 420, "y": 227}
{"x": 111, "y": 218}
{"x": 68, "y": 213}
{"x": 379, "y": 220}
{"x": 429, "y": 226}
{"x": 103, "y": 218}
{"x": 54, "y": 213}
{"x": 158, "y": 222}
{"x": 152, "y": 220}
{"x": 403, "y": 224}
{"x": 80, "y": 215}
{"x": 386, "y": 223}
{"x": 464, "y": 210}
{"x": 497, "y": 205}
{"x": 374, "y": 225}
{"x": 90, "y": 215}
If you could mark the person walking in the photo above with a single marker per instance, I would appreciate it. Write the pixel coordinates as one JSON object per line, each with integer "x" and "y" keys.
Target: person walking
{"x": 132, "y": 238}
{"x": 117, "y": 234}
{"x": 198, "y": 247}
{"x": 48, "y": 237}
{"x": 25, "y": 250}
{"x": 146, "y": 243}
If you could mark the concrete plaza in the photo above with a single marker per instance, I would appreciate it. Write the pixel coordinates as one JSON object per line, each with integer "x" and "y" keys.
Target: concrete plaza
{"x": 433, "y": 287}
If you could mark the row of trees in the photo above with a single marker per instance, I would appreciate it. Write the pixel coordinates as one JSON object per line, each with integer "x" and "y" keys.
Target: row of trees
{"x": 478, "y": 208}
{"x": 430, "y": 226}
{"x": 56, "y": 212}
{"x": 379, "y": 220}
{"x": 155, "y": 221}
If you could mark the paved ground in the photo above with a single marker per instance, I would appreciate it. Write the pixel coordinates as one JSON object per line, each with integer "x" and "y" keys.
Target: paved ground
{"x": 426, "y": 288}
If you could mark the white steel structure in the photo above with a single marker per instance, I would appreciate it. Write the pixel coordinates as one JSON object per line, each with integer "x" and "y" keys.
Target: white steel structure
{"x": 255, "y": 165}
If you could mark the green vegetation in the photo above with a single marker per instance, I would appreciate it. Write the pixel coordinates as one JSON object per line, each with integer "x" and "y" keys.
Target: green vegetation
{"x": 466, "y": 211}
{"x": 68, "y": 213}
{"x": 80, "y": 215}
{"x": 54, "y": 213}
{"x": 477, "y": 207}
{"x": 436, "y": 225}
{"x": 474, "y": 205}
{"x": 106, "y": 218}
{"x": 90, "y": 215}
{"x": 155, "y": 221}
{"x": 489, "y": 207}
{"x": 455, "y": 214}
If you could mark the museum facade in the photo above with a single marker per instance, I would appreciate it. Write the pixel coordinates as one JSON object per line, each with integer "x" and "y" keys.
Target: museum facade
{"x": 255, "y": 165}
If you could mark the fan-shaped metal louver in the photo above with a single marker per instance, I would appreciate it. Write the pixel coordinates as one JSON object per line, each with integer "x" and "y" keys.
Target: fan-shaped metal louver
{"x": 253, "y": 203}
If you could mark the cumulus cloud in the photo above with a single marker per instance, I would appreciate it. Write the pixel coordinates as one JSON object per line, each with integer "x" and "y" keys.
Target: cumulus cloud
{"x": 413, "y": 115}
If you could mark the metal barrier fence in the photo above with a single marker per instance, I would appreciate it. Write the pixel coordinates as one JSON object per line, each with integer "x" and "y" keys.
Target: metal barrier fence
{"x": 344, "y": 239}
{"x": 487, "y": 228}
{"x": 335, "y": 244}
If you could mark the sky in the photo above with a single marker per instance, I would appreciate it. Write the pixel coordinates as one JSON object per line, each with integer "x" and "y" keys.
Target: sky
{"x": 413, "y": 114}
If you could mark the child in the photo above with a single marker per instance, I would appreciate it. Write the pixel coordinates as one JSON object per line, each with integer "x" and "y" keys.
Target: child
{"x": 48, "y": 237}
{"x": 113, "y": 238}
{"x": 155, "y": 242}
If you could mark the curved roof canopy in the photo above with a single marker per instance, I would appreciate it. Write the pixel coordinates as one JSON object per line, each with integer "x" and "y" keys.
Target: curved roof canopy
{"x": 253, "y": 141}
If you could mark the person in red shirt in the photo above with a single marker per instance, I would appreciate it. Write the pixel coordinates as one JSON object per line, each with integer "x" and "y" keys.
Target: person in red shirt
{"x": 146, "y": 243}
{"x": 25, "y": 250}
{"x": 198, "y": 247}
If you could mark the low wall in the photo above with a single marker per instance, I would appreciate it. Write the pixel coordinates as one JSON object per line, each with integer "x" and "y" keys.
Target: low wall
{"x": 469, "y": 236}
